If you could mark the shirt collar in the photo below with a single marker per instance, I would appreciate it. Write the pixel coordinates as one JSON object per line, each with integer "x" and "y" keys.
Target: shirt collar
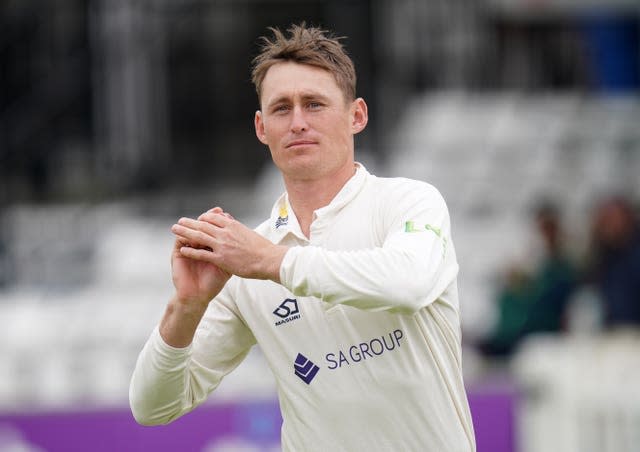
{"x": 283, "y": 220}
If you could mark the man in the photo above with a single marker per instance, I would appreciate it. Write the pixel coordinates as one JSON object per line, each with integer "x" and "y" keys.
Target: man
{"x": 349, "y": 287}
{"x": 614, "y": 261}
{"x": 532, "y": 302}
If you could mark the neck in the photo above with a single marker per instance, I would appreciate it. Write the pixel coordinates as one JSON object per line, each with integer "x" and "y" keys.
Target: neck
{"x": 307, "y": 196}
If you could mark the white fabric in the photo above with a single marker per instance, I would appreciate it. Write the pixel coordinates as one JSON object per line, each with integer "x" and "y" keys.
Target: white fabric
{"x": 377, "y": 313}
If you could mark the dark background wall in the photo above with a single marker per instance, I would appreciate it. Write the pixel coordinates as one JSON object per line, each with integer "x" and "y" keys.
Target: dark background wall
{"x": 104, "y": 98}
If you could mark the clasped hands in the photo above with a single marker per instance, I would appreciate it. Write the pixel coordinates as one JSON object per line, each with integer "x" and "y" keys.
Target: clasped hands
{"x": 217, "y": 238}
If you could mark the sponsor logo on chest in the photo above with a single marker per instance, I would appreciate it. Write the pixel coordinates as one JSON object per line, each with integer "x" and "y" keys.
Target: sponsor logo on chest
{"x": 304, "y": 368}
{"x": 287, "y": 311}
{"x": 354, "y": 354}
{"x": 364, "y": 350}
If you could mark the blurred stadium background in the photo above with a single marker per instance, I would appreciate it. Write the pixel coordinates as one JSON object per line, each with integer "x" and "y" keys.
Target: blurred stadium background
{"x": 119, "y": 116}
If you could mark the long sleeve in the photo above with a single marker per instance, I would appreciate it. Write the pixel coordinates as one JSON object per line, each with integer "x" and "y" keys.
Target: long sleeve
{"x": 413, "y": 266}
{"x": 168, "y": 382}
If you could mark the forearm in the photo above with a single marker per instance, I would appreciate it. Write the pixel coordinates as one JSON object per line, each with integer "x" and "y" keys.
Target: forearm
{"x": 169, "y": 381}
{"x": 374, "y": 279}
{"x": 157, "y": 392}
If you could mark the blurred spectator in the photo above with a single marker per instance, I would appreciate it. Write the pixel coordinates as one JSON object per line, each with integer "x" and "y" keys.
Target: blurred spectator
{"x": 532, "y": 302}
{"x": 614, "y": 264}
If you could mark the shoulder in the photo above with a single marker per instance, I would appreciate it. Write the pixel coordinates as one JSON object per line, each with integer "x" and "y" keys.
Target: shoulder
{"x": 403, "y": 190}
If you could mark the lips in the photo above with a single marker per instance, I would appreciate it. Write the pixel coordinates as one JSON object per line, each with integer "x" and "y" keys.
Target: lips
{"x": 300, "y": 143}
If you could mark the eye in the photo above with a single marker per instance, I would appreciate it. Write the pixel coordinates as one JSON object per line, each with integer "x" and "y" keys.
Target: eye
{"x": 313, "y": 105}
{"x": 282, "y": 108}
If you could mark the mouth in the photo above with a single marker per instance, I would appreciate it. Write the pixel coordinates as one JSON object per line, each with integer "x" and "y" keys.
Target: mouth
{"x": 300, "y": 143}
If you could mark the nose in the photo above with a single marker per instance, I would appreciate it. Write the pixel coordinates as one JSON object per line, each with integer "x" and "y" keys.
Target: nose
{"x": 298, "y": 121}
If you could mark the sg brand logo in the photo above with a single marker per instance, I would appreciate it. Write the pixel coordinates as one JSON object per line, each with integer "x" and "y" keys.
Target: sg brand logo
{"x": 287, "y": 307}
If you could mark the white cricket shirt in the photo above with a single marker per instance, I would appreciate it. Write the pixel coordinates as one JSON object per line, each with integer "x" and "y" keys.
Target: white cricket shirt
{"x": 363, "y": 336}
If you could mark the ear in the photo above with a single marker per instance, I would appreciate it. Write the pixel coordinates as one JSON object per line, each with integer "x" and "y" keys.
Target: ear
{"x": 359, "y": 115}
{"x": 259, "y": 125}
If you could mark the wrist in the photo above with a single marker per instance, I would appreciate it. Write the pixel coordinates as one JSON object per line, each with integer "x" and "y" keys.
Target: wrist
{"x": 275, "y": 261}
{"x": 180, "y": 320}
{"x": 188, "y": 305}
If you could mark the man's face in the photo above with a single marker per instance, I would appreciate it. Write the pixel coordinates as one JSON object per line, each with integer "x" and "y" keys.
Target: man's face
{"x": 306, "y": 121}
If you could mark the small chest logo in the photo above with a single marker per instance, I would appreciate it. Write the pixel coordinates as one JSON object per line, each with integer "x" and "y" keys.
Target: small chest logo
{"x": 283, "y": 216}
{"x": 304, "y": 368}
{"x": 287, "y": 311}
{"x": 280, "y": 221}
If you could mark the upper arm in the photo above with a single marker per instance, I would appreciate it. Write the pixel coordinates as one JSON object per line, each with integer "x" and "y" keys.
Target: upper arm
{"x": 412, "y": 266}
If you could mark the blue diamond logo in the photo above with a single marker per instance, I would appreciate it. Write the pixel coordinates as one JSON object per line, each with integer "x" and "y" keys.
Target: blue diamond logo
{"x": 304, "y": 368}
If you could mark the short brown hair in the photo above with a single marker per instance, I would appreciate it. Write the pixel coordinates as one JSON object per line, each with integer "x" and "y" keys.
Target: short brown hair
{"x": 306, "y": 45}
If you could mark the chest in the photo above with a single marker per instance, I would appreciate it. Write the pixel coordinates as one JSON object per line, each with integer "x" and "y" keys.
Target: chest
{"x": 357, "y": 226}
{"x": 285, "y": 325}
